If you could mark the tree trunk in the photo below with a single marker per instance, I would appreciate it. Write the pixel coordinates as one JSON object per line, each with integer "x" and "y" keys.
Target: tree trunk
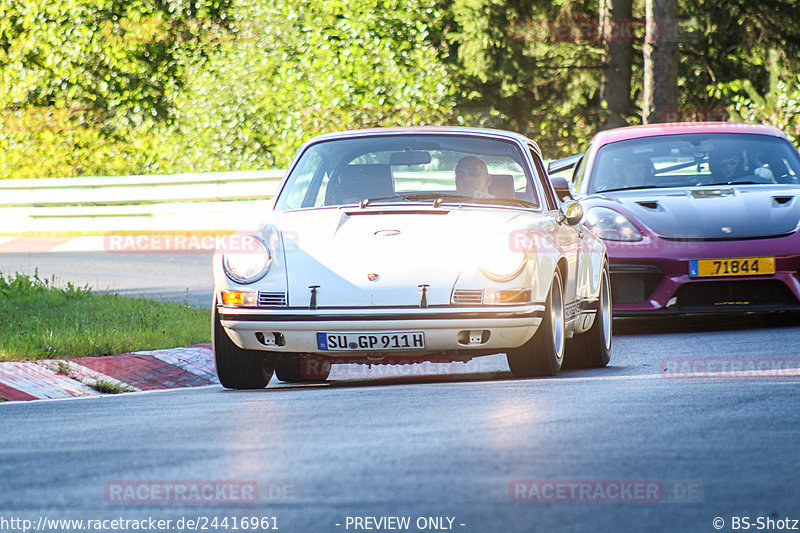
{"x": 660, "y": 61}
{"x": 616, "y": 27}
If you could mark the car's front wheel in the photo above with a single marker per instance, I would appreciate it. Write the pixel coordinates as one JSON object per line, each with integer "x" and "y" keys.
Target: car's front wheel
{"x": 593, "y": 348}
{"x": 303, "y": 369}
{"x": 238, "y": 368}
{"x": 543, "y": 354}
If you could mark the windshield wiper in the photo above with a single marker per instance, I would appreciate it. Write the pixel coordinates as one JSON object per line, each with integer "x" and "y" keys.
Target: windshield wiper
{"x": 510, "y": 201}
{"x": 363, "y": 203}
{"x": 409, "y": 197}
{"x": 629, "y": 188}
{"x": 732, "y": 182}
{"x": 439, "y": 197}
{"x": 432, "y": 195}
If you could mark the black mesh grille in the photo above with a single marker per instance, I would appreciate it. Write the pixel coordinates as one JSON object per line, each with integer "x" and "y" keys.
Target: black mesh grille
{"x": 632, "y": 284}
{"x": 740, "y": 293}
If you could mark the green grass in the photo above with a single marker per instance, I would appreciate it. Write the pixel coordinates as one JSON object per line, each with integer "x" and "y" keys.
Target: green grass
{"x": 108, "y": 387}
{"x": 39, "y": 320}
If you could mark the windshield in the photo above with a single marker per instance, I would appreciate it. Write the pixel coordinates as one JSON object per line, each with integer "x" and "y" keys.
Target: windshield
{"x": 683, "y": 160}
{"x": 406, "y": 168}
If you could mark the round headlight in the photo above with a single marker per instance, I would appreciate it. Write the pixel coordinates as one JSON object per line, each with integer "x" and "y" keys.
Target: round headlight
{"x": 611, "y": 225}
{"x": 503, "y": 263}
{"x": 248, "y": 264}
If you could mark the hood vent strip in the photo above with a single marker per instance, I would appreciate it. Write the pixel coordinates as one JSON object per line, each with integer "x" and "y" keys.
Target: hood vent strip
{"x": 714, "y": 239}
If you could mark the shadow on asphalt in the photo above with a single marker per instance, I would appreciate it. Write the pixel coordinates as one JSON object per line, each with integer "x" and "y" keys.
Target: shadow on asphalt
{"x": 437, "y": 379}
{"x": 622, "y": 327}
{"x": 708, "y": 322}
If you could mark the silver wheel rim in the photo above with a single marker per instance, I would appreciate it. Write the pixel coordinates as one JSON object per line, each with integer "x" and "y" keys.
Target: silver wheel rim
{"x": 605, "y": 309}
{"x": 557, "y": 318}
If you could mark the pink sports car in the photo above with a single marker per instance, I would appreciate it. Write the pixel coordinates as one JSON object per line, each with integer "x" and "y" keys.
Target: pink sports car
{"x": 697, "y": 217}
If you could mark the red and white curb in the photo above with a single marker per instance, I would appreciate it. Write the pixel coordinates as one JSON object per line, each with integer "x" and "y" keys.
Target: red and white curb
{"x": 190, "y": 366}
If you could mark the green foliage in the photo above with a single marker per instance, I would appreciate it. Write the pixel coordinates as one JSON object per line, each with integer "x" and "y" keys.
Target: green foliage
{"x": 109, "y": 387}
{"x": 525, "y": 65}
{"x": 725, "y": 42}
{"x": 114, "y": 87}
{"x": 115, "y": 58}
{"x": 292, "y": 70}
{"x": 34, "y": 286}
{"x": 780, "y": 107}
{"x": 85, "y": 84}
{"x": 111, "y": 87}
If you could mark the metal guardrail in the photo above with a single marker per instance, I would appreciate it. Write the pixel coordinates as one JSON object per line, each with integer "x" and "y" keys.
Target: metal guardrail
{"x": 179, "y": 202}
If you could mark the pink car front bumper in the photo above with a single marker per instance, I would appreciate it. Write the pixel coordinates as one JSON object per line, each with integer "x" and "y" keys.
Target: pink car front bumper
{"x": 652, "y": 276}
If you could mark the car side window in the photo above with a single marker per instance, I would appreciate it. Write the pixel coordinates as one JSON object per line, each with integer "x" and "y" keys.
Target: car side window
{"x": 319, "y": 199}
{"x": 296, "y": 194}
{"x": 578, "y": 174}
{"x": 551, "y": 198}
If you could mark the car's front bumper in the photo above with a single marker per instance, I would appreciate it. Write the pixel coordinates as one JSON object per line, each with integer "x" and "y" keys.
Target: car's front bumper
{"x": 653, "y": 277}
{"x": 293, "y": 330}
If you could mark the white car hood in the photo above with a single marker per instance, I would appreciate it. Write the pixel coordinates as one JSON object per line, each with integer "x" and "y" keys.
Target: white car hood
{"x": 341, "y": 249}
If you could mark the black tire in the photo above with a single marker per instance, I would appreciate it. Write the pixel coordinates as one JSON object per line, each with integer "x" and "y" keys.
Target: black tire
{"x": 543, "y": 354}
{"x": 303, "y": 369}
{"x": 592, "y": 349}
{"x": 238, "y": 368}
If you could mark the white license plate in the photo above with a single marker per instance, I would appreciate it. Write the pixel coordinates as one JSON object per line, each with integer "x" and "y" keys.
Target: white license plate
{"x": 385, "y": 340}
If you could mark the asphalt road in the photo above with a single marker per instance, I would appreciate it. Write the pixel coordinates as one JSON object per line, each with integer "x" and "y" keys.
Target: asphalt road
{"x": 470, "y": 451}
{"x": 184, "y": 277}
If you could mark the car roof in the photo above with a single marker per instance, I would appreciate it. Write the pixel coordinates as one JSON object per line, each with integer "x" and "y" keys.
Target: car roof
{"x": 673, "y": 128}
{"x": 443, "y": 130}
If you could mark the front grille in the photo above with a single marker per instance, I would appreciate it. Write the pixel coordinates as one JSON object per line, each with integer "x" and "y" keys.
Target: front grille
{"x": 271, "y": 299}
{"x": 741, "y": 293}
{"x": 468, "y": 296}
{"x": 632, "y": 284}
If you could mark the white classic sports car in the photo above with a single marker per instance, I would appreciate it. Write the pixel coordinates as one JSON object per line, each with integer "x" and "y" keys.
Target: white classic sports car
{"x": 404, "y": 245}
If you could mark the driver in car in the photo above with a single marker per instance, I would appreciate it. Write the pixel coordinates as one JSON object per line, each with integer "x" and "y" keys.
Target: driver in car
{"x": 472, "y": 177}
{"x": 727, "y": 167}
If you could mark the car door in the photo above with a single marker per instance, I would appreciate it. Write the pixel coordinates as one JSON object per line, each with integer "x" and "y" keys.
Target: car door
{"x": 568, "y": 239}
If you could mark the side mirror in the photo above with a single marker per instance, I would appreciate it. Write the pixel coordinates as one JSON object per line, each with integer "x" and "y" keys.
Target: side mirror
{"x": 571, "y": 212}
{"x": 561, "y": 186}
{"x": 567, "y": 163}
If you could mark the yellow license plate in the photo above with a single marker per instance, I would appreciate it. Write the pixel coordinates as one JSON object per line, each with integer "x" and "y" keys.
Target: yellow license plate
{"x": 731, "y": 266}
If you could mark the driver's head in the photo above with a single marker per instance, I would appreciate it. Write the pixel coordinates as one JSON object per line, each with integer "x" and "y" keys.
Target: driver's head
{"x": 726, "y": 164}
{"x": 472, "y": 176}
